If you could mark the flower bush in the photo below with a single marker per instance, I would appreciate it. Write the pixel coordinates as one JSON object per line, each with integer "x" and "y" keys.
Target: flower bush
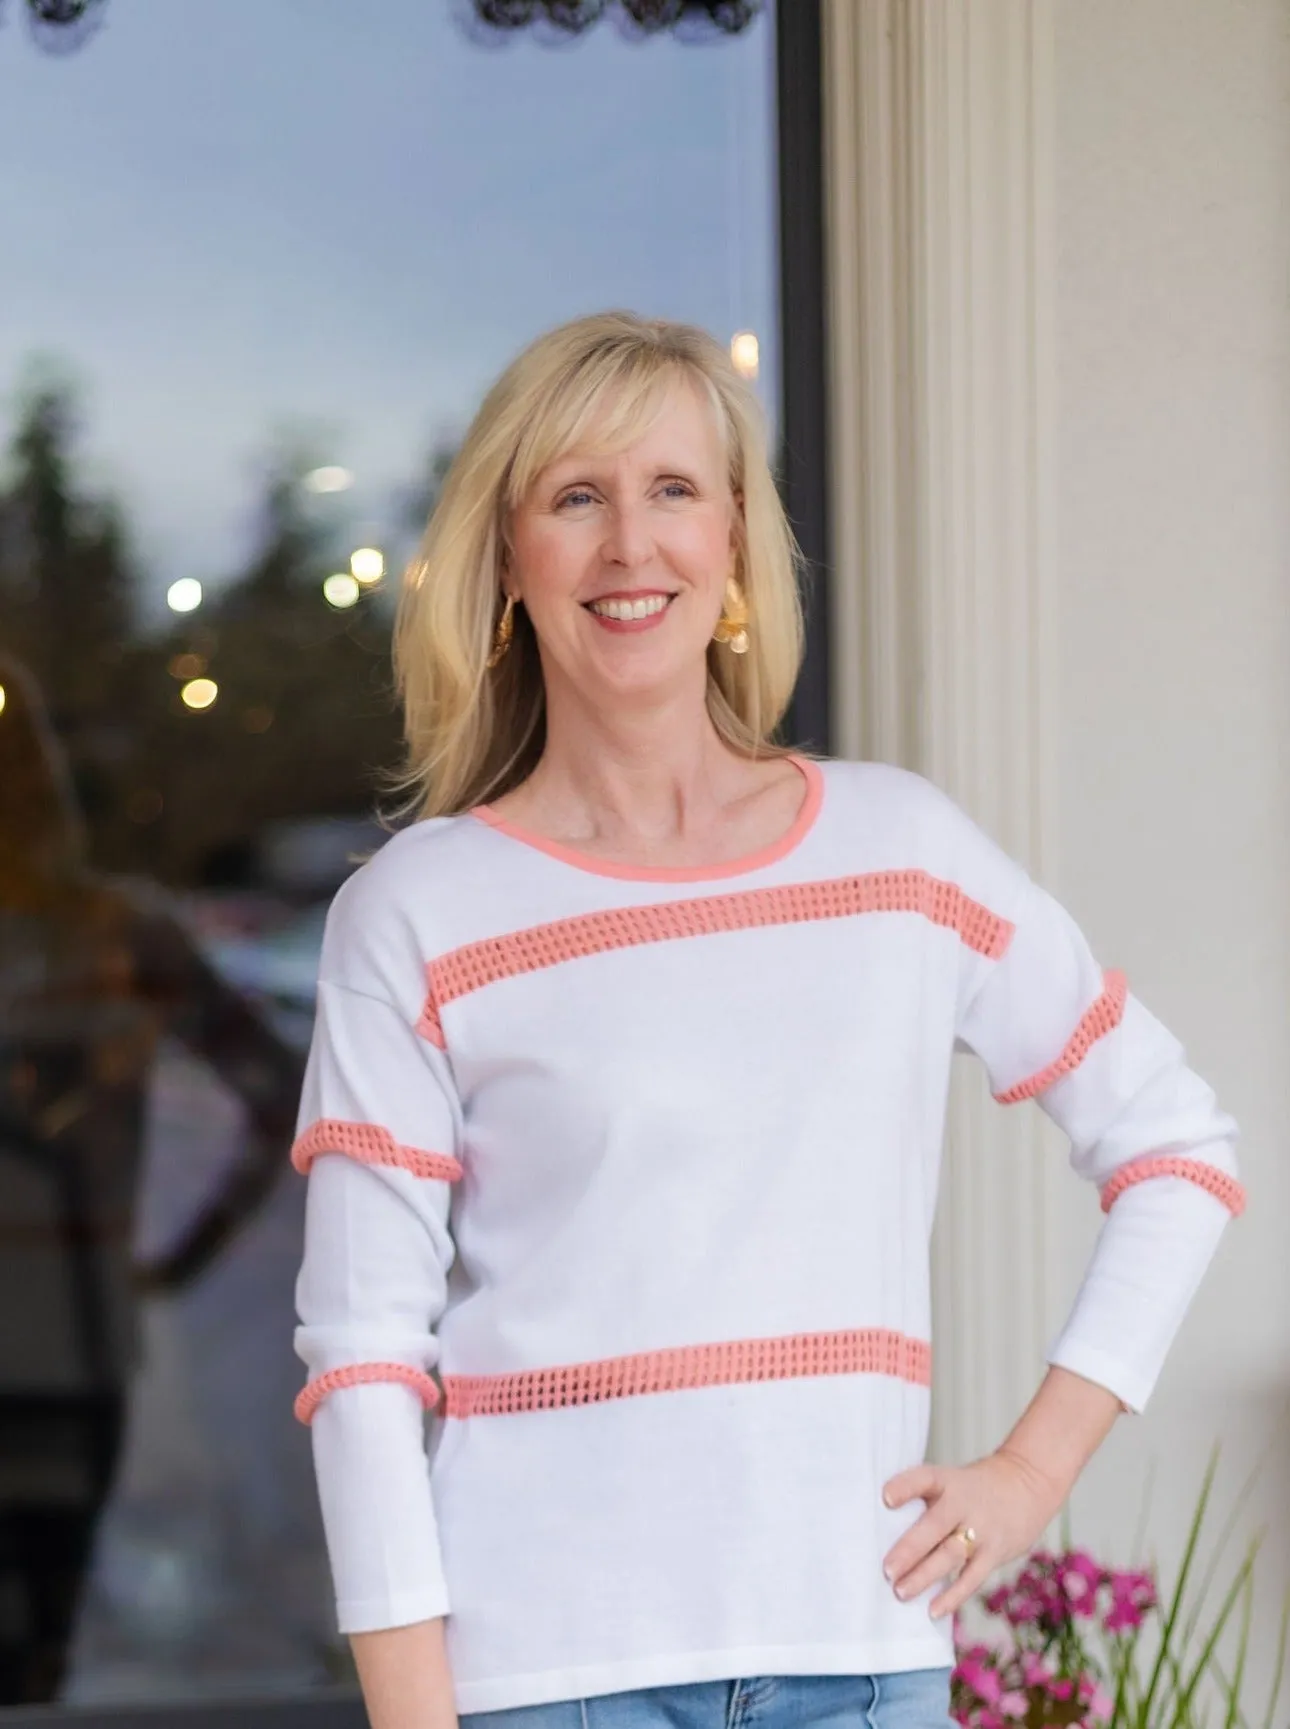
{"x": 1089, "y": 1645}
{"x": 1047, "y": 1674}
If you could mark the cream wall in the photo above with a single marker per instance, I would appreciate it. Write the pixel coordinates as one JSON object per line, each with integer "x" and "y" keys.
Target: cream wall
{"x": 1171, "y": 614}
{"x": 1058, "y": 251}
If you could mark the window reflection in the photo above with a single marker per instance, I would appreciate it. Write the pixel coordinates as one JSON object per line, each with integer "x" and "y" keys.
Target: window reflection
{"x": 97, "y": 978}
{"x": 209, "y": 491}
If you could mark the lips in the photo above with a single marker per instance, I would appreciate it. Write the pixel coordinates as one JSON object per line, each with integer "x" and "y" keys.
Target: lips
{"x": 627, "y": 608}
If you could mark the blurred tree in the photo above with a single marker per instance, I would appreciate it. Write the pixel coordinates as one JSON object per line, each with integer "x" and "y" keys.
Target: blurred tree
{"x": 304, "y": 719}
{"x": 67, "y": 601}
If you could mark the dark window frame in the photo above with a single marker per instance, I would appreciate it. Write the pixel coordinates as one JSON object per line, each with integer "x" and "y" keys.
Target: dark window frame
{"x": 804, "y": 440}
{"x": 804, "y": 487}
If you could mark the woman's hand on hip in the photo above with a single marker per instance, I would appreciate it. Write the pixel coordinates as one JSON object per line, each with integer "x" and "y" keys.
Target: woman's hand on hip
{"x": 1003, "y": 1497}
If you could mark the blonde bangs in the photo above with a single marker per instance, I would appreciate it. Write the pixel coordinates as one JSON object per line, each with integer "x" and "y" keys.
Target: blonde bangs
{"x": 602, "y": 408}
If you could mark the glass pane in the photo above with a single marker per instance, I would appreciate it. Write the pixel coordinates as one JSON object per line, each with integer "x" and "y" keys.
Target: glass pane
{"x": 260, "y": 263}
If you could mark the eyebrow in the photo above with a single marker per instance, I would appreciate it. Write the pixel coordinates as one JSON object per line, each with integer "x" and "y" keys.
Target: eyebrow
{"x": 579, "y": 475}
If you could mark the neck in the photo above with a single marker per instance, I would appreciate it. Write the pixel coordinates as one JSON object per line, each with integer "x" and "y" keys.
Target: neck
{"x": 634, "y": 774}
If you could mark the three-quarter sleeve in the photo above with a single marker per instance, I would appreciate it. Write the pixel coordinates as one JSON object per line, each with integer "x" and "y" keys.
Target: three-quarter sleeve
{"x": 1051, "y": 1024}
{"x": 378, "y": 1137}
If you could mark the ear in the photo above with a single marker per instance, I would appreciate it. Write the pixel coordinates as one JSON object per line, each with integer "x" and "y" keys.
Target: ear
{"x": 738, "y": 538}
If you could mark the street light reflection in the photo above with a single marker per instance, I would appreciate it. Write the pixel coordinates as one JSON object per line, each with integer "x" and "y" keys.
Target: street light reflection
{"x": 199, "y": 692}
{"x": 340, "y": 590}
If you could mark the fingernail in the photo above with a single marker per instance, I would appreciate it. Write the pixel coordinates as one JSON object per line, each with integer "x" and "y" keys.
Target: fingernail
{"x": 887, "y": 1573}
{"x": 886, "y": 1499}
{"x": 901, "y": 1592}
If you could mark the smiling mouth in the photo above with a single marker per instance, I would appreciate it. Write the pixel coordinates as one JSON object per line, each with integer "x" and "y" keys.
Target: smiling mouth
{"x": 625, "y": 611}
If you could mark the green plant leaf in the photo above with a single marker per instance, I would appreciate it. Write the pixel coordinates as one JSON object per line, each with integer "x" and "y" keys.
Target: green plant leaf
{"x": 1122, "y": 1711}
{"x": 1167, "y": 1632}
{"x": 1279, "y": 1671}
{"x": 1239, "y": 1584}
{"x": 1242, "y": 1495}
{"x": 1236, "y": 1718}
{"x": 1234, "y": 1697}
{"x": 1140, "y": 1533}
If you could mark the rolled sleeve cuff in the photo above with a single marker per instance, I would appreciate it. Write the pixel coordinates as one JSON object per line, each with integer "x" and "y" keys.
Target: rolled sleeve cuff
{"x": 1130, "y": 1385}
{"x": 376, "y": 1614}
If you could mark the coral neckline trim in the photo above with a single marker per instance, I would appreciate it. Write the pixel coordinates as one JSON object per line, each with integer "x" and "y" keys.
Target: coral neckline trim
{"x": 801, "y": 826}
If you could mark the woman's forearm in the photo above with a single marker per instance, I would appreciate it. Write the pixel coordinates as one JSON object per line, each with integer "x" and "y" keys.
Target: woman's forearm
{"x": 405, "y": 1677}
{"x": 1063, "y": 1426}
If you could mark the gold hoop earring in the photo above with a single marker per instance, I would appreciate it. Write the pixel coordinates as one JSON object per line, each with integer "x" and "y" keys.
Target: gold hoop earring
{"x": 732, "y": 626}
{"x": 505, "y": 631}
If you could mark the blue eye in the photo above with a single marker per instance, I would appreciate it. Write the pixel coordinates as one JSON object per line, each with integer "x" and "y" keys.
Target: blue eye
{"x": 580, "y": 493}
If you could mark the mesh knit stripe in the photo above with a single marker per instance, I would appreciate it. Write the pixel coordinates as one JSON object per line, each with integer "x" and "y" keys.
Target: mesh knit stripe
{"x": 863, "y": 1351}
{"x": 1104, "y": 1016}
{"x": 468, "y": 969}
{"x": 372, "y": 1145}
{"x": 1209, "y": 1177}
{"x": 312, "y": 1395}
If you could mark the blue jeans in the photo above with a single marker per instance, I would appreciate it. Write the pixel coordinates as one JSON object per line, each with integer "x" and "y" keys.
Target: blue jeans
{"x": 904, "y": 1699}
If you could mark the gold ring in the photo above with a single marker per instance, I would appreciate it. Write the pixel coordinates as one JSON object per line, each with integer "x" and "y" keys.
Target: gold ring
{"x": 968, "y": 1536}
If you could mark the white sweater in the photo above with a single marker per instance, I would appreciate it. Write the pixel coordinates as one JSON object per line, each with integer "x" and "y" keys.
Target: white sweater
{"x": 643, "y": 1164}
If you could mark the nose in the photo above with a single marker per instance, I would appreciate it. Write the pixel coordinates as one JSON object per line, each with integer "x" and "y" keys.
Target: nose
{"x": 628, "y": 540}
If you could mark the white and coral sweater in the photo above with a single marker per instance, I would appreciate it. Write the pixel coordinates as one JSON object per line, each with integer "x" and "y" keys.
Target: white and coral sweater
{"x": 642, "y": 1164}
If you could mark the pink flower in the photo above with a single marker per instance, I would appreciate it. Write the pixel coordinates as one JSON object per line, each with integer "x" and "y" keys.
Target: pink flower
{"x": 982, "y": 1677}
{"x": 1014, "y": 1704}
{"x": 1034, "y": 1671}
{"x": 1122, "y": 1617}
{"x": 1140, "y": 1588}
{"x": 1061, "y": 1689}
{"x": 1080, "y": 1578}
{"x": 982, "y": 1653}
{"x": 1132, "y": 1594}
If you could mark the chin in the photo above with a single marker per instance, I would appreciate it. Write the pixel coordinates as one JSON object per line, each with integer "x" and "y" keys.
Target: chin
{"x": 648, "y": 676}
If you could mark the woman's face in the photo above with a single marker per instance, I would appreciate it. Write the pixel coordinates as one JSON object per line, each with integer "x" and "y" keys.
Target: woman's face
{"x": 621, "y": 561}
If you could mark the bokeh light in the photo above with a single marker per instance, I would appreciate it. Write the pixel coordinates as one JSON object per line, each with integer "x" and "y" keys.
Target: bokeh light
{"x": 330, "y": 478}
{"x": 1, "y": 699}
{"x": 367, "y": 564}
{"x": 184, "y": 595}
{"x": 340, "y": 590}
{"x": 199, "y": 692}
{"x": 745, "y": 353}
{"x": 187, "y": 666}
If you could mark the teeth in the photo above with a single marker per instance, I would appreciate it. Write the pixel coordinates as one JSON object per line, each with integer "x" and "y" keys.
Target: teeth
{"x": 624, "y": 609}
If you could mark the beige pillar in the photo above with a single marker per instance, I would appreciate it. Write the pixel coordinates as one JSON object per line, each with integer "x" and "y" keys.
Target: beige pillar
{"x": 938, "y": 119}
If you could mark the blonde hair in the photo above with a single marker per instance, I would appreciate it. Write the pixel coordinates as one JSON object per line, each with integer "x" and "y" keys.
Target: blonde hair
{"x": 472, "y": 733}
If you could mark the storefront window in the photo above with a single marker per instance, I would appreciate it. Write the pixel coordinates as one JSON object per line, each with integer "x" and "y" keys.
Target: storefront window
{"x": 261, "y": 261}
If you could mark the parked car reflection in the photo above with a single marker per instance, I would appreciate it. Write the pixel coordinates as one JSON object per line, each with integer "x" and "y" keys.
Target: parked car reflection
{"x": 276, "y": 970}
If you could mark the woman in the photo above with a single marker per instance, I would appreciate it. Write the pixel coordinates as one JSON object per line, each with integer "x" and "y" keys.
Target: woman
{"x": 92, "y": 975}
{"x": 624, "y": 1113}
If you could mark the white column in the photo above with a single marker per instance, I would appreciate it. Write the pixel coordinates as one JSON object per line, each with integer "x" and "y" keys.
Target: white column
{"x": 938, "y": 120}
